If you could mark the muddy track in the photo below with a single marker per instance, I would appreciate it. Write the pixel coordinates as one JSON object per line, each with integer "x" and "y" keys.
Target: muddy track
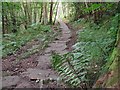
{"x": 42, "y": 75}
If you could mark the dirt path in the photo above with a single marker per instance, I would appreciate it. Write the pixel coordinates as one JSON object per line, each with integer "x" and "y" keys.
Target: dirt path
{"x": 43, "y": 76}
{"x": 73, "y": 38}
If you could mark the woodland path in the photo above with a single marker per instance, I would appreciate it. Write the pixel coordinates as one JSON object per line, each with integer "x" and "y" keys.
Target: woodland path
{"x": 43, "y": 76}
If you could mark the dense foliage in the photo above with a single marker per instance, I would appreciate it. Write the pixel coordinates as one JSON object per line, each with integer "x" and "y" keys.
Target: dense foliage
{"x": 23, "y": 22}
{"x": 95, "y": 50}
{"x": 83, "y": 66}
{"x": 17, "y": 15}
{"x": 14, "y": 41}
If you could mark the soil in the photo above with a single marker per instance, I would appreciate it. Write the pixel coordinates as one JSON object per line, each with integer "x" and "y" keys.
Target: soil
{"x": 36, "y": 71}
{"x": 73, "y": 38}
{"x": 11, "y": 65}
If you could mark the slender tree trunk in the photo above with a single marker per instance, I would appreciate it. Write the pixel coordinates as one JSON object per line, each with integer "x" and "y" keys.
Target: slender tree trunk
{"x": 56, "y": 13}
{"x": 45, "y": 13}
{"x": 3, "y": 19}
{"x": 51, "y": 11}
{"x": 41, "y": 13}
{"x": 77, "y": 11}
{"x": 96, "y": 15}
{"x": 13, "y": 19}
{"x": 55, "y": 5}
{"x": 28, "y": 10}
{"x": 7, "y": 24}
{"x": 86, "y": 4}
{"x": 35, "y": 14}
{"x": 26, "y": 17}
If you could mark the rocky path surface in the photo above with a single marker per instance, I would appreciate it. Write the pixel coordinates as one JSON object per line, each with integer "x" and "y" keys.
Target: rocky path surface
{"x": 42, "y": 76}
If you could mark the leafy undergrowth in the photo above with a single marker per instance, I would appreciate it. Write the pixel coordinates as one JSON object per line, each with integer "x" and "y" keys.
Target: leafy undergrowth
{"x": 14, "y": 41}
{"x": 82, "y": 66}
{"x": 25, "y": 56}
{"x": 111, "y": 76}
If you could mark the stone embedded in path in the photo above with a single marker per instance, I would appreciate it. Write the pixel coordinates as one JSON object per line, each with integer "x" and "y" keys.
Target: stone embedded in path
{"x": 45, "y": 66}
{"x": 63, "y": 26}
{"x": 57, "y": 37}
{"x": 60, "y": 41}
{"x": 39, "y": 74}
{"x": 63, "y": 52}
{"x": 65, "y": 37}
{"x": 43, "y": 57}
{"x": 24, "y": 84}
{"x": 10, "y": 81}
{"x": 48, "y": 50}
{"x": 44, "y": 62}
{"x": 55, "y": 48}
{"x": 66, "y": 32}
{"x": 61, "y": 46}
{"x": 57, "y": 44}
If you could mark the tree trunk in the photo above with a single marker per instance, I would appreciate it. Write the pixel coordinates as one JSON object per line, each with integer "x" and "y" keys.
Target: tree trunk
{"x": 77, "y": 11}
{"x": 86, "y": 4}
{"x": 56, "y": 13}
{"x": 45, "y": 14}
{"x": 51, "y": 11}
{"x": 97, "y": 15}
{"x": 28, "y": 10}
{"x": 55, "y": 5}
{"x": 26, "y": 17}
{"x": 3, "y": 19}
{"x": 14, "y": 22}
{"x": 41, "y": 13}
{"x": 13, "y": 19}
{"x": 35, "y": 14}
